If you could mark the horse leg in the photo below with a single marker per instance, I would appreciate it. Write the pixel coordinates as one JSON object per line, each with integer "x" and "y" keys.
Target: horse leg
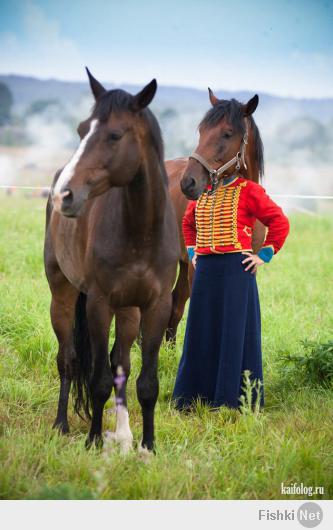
{"x": 64, "y": 297}
{"x": 154, "y": 320}
{"x": 180, "y": 295}
{"x": 99, "y": 317}
{"x": 127, "y": 329}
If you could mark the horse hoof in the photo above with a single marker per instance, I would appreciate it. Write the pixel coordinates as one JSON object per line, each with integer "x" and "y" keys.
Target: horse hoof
{"x": 145, "y": 454}
{"x": 88, "y": 444}
{"x": 125, "y": 442}
{"x": 62, "y": 427}
{"x": 126, "y": 446}
{"x": 94, "y": 441}
{"x": 170, "y": 338}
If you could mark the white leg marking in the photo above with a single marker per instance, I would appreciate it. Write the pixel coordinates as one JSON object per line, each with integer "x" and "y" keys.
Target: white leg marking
{"x": 123, "y": 432}
{"x": 123, "y": 435}
{"x": 69, "y": 168}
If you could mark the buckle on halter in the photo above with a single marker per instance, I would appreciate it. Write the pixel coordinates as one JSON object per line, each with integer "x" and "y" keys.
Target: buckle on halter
{"x": 214, "y": 180}
{"x": 238, "y": 158}
{"x": 213, "y": 177}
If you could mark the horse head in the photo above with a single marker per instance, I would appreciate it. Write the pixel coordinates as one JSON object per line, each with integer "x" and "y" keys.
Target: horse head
{"x": 110, "y": 151}
{"x": 229, "y": 143}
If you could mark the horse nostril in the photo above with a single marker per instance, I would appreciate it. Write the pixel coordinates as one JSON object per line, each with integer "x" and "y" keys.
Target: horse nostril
{"x": 189, "y": 184}
{"x": 67, "y": 198}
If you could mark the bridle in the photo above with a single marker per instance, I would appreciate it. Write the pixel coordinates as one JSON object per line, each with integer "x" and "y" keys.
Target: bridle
{"x": 215, "y": 174}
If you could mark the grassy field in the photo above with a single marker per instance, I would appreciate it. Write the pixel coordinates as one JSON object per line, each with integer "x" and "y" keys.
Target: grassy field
{"x": 223, "y": 455}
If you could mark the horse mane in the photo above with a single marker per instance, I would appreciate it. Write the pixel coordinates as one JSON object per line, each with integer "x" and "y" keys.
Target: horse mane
{"x": 119, "y": 100}
{"x": 232, "y": 111}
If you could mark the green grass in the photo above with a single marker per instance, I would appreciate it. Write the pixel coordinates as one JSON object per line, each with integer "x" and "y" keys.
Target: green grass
{"x": 205, "y": 455}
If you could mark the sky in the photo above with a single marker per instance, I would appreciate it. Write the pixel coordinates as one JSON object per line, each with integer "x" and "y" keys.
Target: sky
{"x": 282, "y": 47}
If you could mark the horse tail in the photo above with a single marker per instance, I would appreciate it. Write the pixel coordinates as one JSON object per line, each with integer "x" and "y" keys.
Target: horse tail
{"x": 83, "y": 363}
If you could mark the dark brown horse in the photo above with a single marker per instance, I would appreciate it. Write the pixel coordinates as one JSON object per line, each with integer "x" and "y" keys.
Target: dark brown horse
{"x": 111, "y": 248}
{"x": 221, "y": 134}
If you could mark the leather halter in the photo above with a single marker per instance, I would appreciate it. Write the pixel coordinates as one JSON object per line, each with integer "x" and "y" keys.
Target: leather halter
{"x": 215, "y": 174}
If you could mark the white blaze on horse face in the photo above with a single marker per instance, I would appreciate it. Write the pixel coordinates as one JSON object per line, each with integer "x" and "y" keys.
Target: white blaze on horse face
{"x": 69, "y": 169}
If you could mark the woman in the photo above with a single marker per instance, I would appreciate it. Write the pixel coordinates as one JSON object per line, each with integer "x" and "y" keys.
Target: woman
{"x": 223, "y": 331}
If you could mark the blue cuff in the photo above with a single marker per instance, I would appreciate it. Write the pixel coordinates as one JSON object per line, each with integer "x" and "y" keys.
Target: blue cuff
{"x": 190, "y": 251}
{"x": 266, "y": 254}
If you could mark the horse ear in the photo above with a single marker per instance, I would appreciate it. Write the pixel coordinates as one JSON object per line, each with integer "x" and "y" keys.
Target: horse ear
{"x": 251, "y": 105}
{"x": 96, "y": 87}
{"x": 213, "y": 99}
{"x": 145, "y": 96}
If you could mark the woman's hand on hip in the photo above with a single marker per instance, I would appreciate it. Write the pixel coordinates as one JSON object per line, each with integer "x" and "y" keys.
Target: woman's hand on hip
{"x": 253, "y": 262}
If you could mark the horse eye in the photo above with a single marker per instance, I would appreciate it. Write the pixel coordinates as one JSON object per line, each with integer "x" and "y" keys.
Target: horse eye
{"x": 114, "y": 136}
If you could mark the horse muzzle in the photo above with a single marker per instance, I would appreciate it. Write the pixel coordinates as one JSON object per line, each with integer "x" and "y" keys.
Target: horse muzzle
{"x": 70, "y": 203}
{"x": 190, "y": 187}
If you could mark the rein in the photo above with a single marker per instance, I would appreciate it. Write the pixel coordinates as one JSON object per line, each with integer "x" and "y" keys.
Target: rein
{"x": 215, "y": 174}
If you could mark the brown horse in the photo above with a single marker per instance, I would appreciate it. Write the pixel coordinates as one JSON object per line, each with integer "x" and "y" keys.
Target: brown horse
{"x": 221, "y": 134}
{"x": 111, "y": 247}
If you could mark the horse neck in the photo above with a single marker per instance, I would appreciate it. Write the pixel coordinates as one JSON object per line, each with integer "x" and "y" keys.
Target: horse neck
{"x": 144, "y": 199}
{"x": 252, "y": 172}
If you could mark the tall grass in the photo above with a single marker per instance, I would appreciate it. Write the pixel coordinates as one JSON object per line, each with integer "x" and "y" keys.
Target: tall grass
{"x": 204, "y": 455}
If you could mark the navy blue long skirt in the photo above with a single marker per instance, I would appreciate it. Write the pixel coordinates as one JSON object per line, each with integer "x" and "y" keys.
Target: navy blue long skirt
{"x": 223, "y": 334}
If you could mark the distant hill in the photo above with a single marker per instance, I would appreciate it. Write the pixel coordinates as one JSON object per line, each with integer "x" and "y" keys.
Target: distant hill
{"x": 28, "y": 89}
{"x": 297, "y": 133}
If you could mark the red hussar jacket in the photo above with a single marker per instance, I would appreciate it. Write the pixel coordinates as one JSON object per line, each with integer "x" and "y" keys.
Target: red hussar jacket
{"x": 223, "y": 221}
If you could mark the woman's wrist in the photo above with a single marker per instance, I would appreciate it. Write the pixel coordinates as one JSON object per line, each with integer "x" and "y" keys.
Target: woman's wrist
{"x": 266, "y": 254}
{"x": 190, "y": 252}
